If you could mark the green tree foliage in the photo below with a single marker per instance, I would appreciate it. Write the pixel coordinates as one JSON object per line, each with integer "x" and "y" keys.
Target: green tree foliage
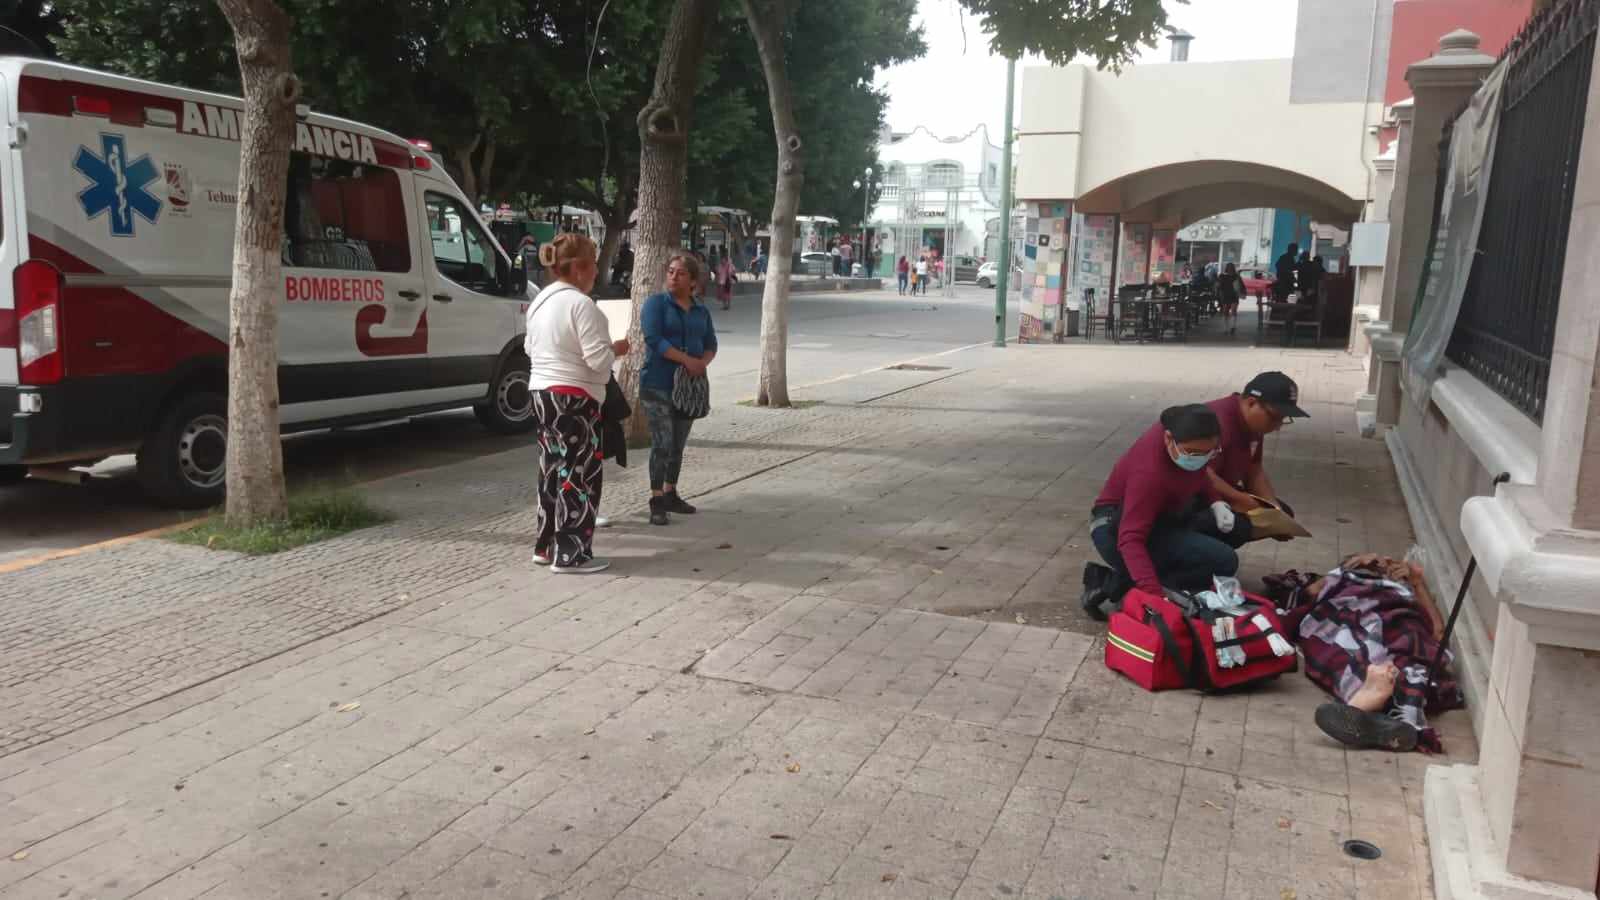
{"x": 834, "y": 49}
{"x": 510, "y": 95}
{"x": 1062, "y": 31}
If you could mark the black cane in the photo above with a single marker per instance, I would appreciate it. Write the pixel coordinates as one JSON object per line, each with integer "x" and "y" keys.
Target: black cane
{"x": 1461, "y": 599}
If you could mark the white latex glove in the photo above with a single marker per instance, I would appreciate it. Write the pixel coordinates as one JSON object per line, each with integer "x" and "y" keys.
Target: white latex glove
{"x": 1224, "y": 517}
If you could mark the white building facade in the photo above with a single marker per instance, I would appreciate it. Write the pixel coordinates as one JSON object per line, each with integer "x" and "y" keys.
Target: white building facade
{"x": 938, "y": 194}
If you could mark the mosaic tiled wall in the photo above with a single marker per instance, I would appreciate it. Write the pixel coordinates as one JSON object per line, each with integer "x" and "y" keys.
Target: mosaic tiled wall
{"x": 1047, "y": 231}
{"x": 1092, "y": 257}
{"x": 1134, "y": 260}
{"x": 1163, "y": 251}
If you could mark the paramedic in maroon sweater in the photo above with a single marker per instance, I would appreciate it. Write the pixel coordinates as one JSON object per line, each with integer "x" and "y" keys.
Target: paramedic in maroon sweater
{"x": 1269, "y": 402}
{"x": 1144, "y": 522}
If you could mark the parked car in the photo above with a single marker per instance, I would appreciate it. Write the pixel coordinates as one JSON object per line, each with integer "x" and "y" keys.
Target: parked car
{"x": 989, "y": 273}
{"x": 1257, "y": 280}
{"x": 816, "y": 263}
{"x": 963, "y": 268}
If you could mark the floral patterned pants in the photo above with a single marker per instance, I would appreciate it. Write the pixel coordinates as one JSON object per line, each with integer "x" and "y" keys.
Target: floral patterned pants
{"x": 569, "y": 475}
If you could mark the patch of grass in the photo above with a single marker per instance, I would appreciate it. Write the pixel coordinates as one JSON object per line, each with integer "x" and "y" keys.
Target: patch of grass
{"x": 797, "y": 404}
{"x": 312, "y": 518}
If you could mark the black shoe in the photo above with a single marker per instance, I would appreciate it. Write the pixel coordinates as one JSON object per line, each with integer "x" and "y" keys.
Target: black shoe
{"x": 1368, "y": 731}
{"x": 658, "y": 511}
{"x": 678, "y": 504}
{"x": 1095, "y": 599}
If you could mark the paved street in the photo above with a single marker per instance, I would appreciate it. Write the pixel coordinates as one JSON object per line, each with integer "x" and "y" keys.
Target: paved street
{"x": 832, "y": 335}
{"x": 833, "y": 682}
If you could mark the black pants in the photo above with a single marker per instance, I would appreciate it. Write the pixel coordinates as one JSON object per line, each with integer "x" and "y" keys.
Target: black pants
{"x": 1185, "y": 557}
{"x": 669, "y": 434}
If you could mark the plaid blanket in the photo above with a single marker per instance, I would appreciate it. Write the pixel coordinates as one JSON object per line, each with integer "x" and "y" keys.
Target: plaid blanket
{"x": 1358, "y": 617}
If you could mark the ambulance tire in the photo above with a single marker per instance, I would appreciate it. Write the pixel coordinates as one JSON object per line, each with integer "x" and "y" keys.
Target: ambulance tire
{"x": 510, "y": 406}
{"x": 181, "y": 460}
{"x": 12, "y": 475}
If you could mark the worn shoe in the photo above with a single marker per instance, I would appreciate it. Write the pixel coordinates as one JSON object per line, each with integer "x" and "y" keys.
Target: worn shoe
{"x": 678, "y": 504}
{"x": 1094, "y": 599}
{"x": 582, "y": 567}
{"x": 602, "y": 522}
{"x": 1368, "y": 731}
{"x": 541, "y": 559}
{"x": 658, "y": 511}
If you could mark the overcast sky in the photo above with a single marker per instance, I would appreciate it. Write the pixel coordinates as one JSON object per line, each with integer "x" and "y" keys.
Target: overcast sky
{"x": 951, "y": 92}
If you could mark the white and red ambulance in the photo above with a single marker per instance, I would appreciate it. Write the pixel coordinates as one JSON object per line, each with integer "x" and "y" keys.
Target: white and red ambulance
{"x": 117, "y": 202}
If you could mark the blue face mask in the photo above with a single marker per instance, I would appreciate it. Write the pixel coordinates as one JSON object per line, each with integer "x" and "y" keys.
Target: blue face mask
{"x": 1192, "y": 462}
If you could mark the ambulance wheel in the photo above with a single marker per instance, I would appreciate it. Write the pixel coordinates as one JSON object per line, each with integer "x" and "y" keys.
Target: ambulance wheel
{"x": 181, "y": 463}
{"x": 510, "y": 406}
{"x": 12, "y": 475}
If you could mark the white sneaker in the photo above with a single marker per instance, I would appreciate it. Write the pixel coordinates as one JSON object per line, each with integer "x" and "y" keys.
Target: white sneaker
{"x": 540, "y": 559}
{"x": 587, "y": 567}
{"x": 602, "y": 522}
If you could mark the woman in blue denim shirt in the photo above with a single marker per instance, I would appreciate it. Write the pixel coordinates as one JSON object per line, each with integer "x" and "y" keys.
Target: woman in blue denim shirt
{"x": 677, "y": 334}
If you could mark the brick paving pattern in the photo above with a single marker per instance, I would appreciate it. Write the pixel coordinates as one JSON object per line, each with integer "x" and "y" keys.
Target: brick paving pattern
{"x": 765, "y": 700}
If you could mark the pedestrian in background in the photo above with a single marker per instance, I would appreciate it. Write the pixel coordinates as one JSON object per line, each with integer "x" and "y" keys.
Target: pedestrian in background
{"x": 922, "y": 274}
{"x": 678, "y": 334}
{"x": 725, "y": 279}
{"x": 903, "y": 269}
{"x": 1230, "y": 287}
{"x": 1284, "y": 270}
{"x": 833, "y": 255}
{"x": 570, "y": 353}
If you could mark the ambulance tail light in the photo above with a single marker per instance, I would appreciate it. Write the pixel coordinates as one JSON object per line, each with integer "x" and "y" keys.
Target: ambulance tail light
{"x": 91, "y": 106}
{"x": 421, "y": 163}
{"x": 37, "y": 291}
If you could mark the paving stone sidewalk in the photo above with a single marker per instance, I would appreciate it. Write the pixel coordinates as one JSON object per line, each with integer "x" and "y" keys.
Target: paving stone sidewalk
{"x": 769, "y": 699}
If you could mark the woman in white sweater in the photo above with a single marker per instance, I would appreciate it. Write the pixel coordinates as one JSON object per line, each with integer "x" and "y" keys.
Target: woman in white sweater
{"x": 570, "y": 353}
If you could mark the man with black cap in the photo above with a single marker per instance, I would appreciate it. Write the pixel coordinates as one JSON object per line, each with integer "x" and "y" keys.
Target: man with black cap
{"x": 1270, "y": 401}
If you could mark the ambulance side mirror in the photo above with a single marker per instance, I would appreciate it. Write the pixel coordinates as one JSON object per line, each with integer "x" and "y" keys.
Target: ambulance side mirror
{"x": 513, "y": 278}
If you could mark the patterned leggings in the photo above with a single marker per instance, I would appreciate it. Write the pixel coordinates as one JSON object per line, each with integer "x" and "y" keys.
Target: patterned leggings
{"x": 569, "y": 475}
{"x": 669, "y": 434}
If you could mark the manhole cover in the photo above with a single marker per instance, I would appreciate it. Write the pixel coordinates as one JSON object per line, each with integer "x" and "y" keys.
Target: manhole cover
{"x": 914, "y": 367}
{"x": 1362, "y": 850}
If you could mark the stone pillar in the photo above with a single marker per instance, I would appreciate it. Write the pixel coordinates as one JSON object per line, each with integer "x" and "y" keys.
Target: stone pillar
{"x": 1523, "y": 822}
{"x": 1440, "y": 85}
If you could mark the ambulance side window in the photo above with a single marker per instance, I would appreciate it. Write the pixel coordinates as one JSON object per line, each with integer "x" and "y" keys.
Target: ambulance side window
{"x": 462, "y": 251}
{"x": 343, "y": 215}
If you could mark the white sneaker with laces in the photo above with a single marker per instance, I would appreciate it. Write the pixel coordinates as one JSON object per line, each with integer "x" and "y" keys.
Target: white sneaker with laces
{"x": 587, "y": 567}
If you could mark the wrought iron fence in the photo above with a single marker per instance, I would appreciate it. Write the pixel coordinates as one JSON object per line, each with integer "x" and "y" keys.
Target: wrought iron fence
{"x": 1506, "y": 328}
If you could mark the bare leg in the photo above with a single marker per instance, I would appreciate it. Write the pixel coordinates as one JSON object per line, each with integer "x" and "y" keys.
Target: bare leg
{"x": 1379, "y": 687}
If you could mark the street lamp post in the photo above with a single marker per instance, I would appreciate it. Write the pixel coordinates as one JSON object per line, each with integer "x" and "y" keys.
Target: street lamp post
{"x": 865, "y": 186}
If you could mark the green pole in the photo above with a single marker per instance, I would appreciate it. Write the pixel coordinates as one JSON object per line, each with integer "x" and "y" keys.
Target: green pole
{"x": 1002, "y": 282}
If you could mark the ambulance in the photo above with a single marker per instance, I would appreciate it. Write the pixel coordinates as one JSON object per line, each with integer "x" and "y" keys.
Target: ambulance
{"x": 117, "y": 203}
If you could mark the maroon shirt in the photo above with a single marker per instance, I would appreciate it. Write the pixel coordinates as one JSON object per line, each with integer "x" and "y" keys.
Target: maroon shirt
{"x": 1240, "y": 449}
{"x": 1146, "y": 484}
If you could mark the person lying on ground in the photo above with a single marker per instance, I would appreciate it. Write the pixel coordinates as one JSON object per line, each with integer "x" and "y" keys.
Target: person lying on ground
{"x": 1369, "y": 631}
{"x": 1269, "y": 402}
{"x": 1144, "y": 523}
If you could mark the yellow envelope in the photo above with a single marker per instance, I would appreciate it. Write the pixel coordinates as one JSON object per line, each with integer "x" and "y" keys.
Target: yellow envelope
{"x": 1268, "y": 521}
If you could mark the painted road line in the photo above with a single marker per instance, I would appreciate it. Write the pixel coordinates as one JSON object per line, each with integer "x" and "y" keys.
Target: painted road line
{"x": 18, "y": 565}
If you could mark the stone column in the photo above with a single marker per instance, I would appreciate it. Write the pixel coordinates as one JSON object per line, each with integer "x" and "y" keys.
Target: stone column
{"x": 1523, "y": 822}
{"x": 1440, "y": 85}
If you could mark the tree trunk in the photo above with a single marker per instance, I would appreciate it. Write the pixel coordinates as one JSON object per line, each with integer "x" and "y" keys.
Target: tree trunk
{"x": 738, "y": 236}
{"x": 663, "y": 168}
{"x": 255, "y": 488}
{"x": 486, "y": 173}
{"x": 615, "y": 215}
{"x": 469, "y": 171}
{"x": 766, "y": 24}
